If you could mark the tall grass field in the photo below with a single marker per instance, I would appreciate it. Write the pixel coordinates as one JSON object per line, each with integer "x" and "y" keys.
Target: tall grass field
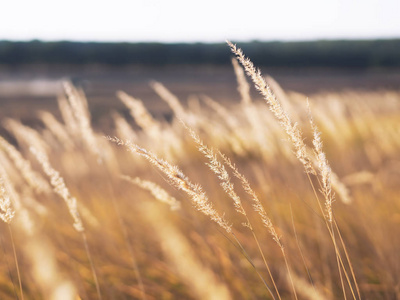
{"x": 278, "y": 196}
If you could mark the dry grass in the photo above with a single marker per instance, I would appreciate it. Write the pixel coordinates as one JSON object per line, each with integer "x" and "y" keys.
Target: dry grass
{"x": 268, "y": 218}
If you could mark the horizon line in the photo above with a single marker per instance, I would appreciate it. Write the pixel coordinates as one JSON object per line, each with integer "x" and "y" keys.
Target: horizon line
{"x": 199, "y": 41}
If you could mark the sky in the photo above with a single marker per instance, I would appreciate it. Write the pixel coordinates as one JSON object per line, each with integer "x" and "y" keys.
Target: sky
{"x": 198, "y": 20}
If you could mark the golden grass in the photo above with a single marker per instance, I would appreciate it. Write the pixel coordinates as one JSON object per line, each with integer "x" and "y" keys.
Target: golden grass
{"x": 267, "y": 218}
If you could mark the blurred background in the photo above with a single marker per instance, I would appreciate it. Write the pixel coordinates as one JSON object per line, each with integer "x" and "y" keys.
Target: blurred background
{"x": 308, "y": 46}
{"x": 341, "y": 55}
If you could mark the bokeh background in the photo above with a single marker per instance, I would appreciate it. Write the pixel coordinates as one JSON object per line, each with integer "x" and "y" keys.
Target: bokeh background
{"x": 74, "y": 72}
{"x": 307, "y": 46}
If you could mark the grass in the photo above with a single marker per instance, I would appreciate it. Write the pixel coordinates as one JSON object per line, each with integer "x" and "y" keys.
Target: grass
{"x": 277, "y": 197}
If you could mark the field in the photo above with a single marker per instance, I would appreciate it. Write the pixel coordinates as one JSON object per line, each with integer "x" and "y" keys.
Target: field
{"x": 191, "y": 184}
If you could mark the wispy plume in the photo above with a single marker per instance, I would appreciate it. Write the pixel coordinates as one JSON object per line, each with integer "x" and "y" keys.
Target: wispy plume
{"x": 158, "y": 192}
{"x": 141, "y": 115}
{"x": 257, "y": 205}
{"x": 7, "y": 211}
{"x": 292, "y": 129}
{"x": 180, "y": 181}
{"x": 123, "y": 128}
{"x": 219, "y": 169}
{"x": 323, "y": 167}
{"x": 170, "y": 98}
{"x": 79, "y": 107}
{"x": 57, "y": 129}
{"x": 25, "y": 135}
{"x": 182, "y": 256}
{"x": 59, "y": 187}
{"x": 68, "y": 116}
{"x": 34, "y": 179}
{"x": 243, "y": 85}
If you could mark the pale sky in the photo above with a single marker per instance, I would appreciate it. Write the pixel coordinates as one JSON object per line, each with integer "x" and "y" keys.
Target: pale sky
{"x": 198, "y": 20}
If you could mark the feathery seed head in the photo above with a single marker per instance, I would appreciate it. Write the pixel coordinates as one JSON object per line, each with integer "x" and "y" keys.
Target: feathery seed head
{"x": 7, "y": 211}
{"x": 59, "y": 187}
{"x": 180, "y": 181}
{"x": 276, "y": 108}
{"x": 323, "y": 167}
{"x": 158, "y": 192}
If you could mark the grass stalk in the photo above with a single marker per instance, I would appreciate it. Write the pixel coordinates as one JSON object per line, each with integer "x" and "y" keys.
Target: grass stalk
{"x": 89, "y": 256}
{"x": 246, "y": 255}
{"x": 347, "y": 258}
{"x": 337, "y": 252}
{"x": 9, "y": 269}
{"x": 218, "y": 168}
{"x": 266, "y": 263}
{"x": 289, "y": 272}
{"x": 61, "y": 189}
{"x": 16, "y": 261}
{"x": 340, "y": 263}
{"x": 301, "y": 252}
{"x": 128, "y": 243}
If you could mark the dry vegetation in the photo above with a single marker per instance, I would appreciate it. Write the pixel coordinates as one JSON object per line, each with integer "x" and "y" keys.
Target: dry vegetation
{"x": 234, "y": 202}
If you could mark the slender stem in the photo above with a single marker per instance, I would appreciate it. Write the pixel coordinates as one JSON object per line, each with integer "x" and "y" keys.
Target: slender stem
{"x": 85, "y": 242}
{"x": 128, "y": 243}
{"x": 16, "y": 262}
{"x": 331, "y": 233}
{"x": 8, "y": 268}
{"x": 348, "y": 258}
{"x": 301, "y": 252}
{"x": 342, "y": 264}
{"x": 289, "y": 272}
{"x": 266, "y": 264}
{"x": 340, "y": 269}
{"x": 252, "y": 264}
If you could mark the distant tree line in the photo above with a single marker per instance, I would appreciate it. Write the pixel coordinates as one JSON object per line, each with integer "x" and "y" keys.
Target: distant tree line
{"x": 340, "y": 53}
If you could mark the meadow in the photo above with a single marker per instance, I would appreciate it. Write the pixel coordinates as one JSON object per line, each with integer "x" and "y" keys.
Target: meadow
{"x": 280, "y": 195}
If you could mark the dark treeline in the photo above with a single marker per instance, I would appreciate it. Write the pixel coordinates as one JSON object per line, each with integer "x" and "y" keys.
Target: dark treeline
{"x": 341, "y": 53}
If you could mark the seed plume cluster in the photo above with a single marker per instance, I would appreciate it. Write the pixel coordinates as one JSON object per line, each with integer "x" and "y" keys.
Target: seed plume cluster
{"x": 172, "y": 229}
